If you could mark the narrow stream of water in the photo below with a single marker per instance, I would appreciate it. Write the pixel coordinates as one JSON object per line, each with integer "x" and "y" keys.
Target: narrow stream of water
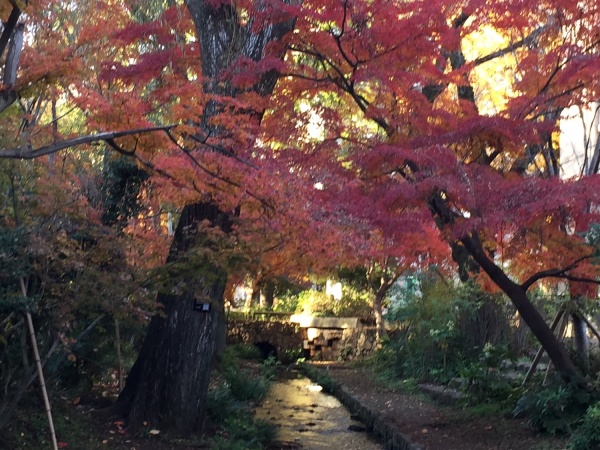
{"x": 306, "y": 416}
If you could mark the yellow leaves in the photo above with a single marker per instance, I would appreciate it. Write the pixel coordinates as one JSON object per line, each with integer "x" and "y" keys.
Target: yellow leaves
{"x": 493, "y": 80}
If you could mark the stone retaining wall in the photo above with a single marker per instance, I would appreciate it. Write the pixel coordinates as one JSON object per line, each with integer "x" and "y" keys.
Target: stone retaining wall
{"x": 321, "y": 339}
{"x": 283, "y": 336}
{"x": 340, "y": 344}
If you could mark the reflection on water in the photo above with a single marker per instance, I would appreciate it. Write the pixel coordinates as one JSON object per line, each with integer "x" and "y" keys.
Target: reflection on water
{"x": 315, "y": 420}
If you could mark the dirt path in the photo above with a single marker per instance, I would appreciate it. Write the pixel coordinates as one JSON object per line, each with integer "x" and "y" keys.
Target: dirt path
{"x": 436, "y": 427}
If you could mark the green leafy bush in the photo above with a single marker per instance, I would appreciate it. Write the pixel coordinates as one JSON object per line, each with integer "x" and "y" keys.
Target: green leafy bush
{"x": 246, "y": 351}
{"x": 354, "y": 303}
{"x": 314, "y": 302}
{"x": 268, "y": 368}
{"x": 587, "y": 436}
{"x": 555, "y": 409}
{"x": 483, "y": 380}
{"x": 256, "y": 433}
{"x": 227, "y": 405}
{"x": 320, "y": 377}
{"x": 427, "y": 341}
{"x": 441, "y": 330}
{"x": 221, "y": 404}
{"x": 245, "y": 386}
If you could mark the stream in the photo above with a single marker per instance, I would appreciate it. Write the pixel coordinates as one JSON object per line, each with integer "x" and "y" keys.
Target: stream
{"x": 310, "y": 419}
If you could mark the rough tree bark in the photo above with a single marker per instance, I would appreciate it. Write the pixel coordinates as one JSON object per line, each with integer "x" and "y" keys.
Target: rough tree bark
{"x": 13, "y": 36}
{"x": 168, "y": 383}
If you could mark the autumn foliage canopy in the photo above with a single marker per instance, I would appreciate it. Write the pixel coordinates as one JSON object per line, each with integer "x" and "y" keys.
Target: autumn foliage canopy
{"x": 395, "y": 129}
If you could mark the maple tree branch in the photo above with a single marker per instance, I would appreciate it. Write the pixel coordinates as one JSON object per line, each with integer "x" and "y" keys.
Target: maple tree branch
{"x": 199, "y": 165}
{"x": 216, "y": 148}
{"x": 337, "y": 37}
{"x": 28, "y": 152}
{"x": 559, "y": 273}
{"x": 119, "y": 149}
{"x": 581, "y": 279}
{"x": 527, "y": 40}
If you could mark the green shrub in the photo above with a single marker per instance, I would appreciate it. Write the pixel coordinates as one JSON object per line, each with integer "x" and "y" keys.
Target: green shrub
{"x": 268, "y": 368}
{"x": 246, "y": 351}
{"x": 587, "y": 436}
{"x": 255, "y": 432}
{"x": 440, "y": 330}
{"x": 483, "y": 381}
{"x": 321, "y": 377}
{"x": 245, "y": 386}
{"x": 288, "y": 303}
{"x": 227, "y": 405}
{"x": 354, "y": 303}
{"x": 314, "y": 302}
{"x": 555, "y": 409}
{"x": 292, "y": 355}
{"x": 221, "y": 404}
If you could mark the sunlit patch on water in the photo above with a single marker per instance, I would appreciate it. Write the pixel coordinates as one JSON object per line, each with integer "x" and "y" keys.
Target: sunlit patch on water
{"x": 306, "y": 416}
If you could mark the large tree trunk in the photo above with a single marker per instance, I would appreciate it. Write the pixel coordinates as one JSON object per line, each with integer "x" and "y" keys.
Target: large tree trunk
{"x": 518, "y": 295}
{"x": 167, "y": 385}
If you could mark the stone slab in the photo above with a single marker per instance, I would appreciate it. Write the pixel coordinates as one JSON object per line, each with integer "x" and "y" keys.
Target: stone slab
{"x": 325, "y": 322}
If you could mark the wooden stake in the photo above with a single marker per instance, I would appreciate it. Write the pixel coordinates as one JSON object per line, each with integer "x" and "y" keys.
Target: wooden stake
{"x": 38, "y": 365}
{"x": 540, "y": 352}
{"x": 561, "y": 335}
{"x": 589, "y": 324}
{"x": 119, "y": 356}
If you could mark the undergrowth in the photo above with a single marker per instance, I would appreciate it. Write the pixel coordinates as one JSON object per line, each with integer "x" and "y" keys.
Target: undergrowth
{"x": 319, "y": 376}
{"x": 230, "y": 404}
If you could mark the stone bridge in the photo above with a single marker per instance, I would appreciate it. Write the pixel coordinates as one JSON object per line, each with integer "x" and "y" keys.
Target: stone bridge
{"x": 293, "y": 336}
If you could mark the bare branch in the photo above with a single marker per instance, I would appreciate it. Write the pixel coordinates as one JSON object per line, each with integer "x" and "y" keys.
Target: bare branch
{"x": 560, "y": 273}
{"x": 28, "y": 152}
{"x": 527, "y": 40}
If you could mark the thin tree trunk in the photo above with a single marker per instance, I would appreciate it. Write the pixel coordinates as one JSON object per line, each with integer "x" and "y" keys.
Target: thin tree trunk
{"x": 119, "y": 355}
{"x": 561, "y": 335}
{"x": 378, "y": 311}
{"x": 256, "y": 296}
{"x": 40, "y": 371}
{"x": 269, "y": 294}
{"x": 581, "y": 341}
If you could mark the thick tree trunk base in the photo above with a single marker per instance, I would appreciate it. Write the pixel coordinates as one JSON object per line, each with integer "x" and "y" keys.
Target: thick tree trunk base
{"x": 167, "y": 386}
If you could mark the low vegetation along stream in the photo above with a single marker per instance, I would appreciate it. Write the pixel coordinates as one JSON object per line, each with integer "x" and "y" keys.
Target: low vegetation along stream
{"x": 310, "y": 419}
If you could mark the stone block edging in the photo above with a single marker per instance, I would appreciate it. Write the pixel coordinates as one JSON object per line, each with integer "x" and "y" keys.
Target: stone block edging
{"x": 388, "y": 433}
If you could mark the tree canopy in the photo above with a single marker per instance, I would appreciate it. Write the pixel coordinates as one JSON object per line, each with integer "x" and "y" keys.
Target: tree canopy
{"x": 334, "y": 133}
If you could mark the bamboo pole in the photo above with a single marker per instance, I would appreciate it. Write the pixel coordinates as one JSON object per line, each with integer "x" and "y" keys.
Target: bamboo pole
{"x": 119, "y": 356}
{"x": 590, "y": 325}
{"x": 561, "y": 335}
{"x": 38, "y": 365}
{"x": 540, "y": 352}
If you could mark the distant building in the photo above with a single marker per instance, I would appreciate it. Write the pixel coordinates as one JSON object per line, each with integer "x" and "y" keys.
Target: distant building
{"x": 579, "y": 141}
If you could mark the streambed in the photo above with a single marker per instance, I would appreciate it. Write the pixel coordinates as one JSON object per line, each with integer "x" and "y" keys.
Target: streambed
{"x": 311, "y": 419}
